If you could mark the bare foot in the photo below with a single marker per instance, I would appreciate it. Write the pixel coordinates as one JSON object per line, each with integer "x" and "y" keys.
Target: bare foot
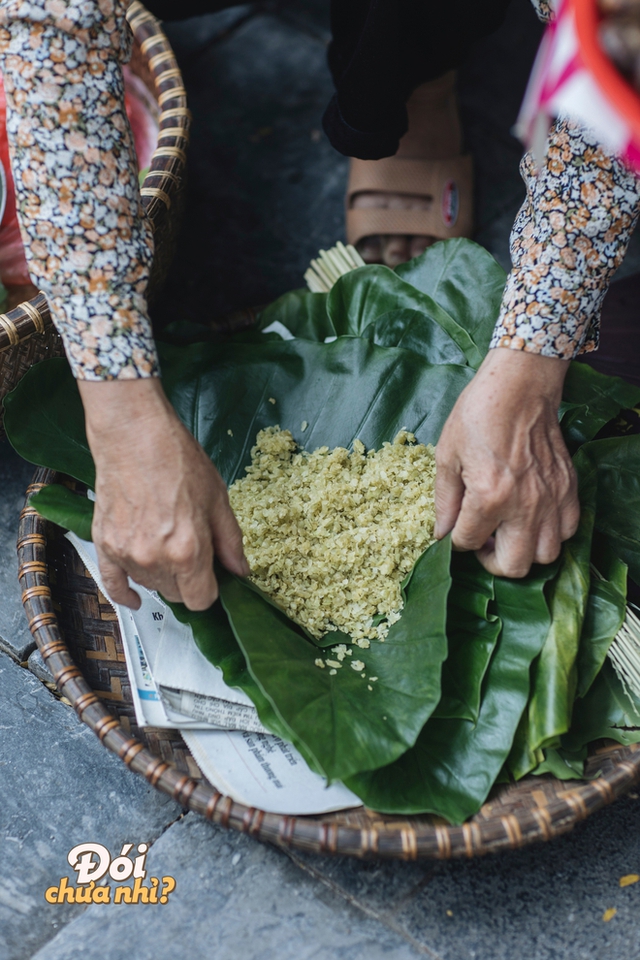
{"x": 392, "y": 249}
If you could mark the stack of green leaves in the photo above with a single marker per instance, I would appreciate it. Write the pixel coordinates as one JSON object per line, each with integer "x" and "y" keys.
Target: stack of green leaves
{"x": 482, "y": 679}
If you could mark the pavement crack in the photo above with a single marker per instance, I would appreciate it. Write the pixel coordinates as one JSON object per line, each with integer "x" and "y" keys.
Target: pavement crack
{"x": 354, "y": 901}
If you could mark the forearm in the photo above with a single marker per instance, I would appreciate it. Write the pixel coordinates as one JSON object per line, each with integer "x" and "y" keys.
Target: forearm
{"x": 88, "y": 243}
{"x": 568, "y": 240}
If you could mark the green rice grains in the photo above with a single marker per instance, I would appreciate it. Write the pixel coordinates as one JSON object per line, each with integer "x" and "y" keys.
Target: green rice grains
{"x": 330, "y": 535}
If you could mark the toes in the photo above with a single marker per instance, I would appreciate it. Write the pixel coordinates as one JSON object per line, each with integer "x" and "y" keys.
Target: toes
{"x": 395, "y": 250}
{"x": 392, "y": 250}
{"x": 370, "y": 249}
{"x": 418, "y": 245}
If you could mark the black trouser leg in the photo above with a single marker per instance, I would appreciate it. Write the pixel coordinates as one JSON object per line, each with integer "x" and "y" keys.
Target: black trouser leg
{"x": 381, "y": 50}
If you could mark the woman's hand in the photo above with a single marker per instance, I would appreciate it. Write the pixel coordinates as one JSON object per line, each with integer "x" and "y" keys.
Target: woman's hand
{"x": 505, "y": 484}
{"x": 162, "y": 509}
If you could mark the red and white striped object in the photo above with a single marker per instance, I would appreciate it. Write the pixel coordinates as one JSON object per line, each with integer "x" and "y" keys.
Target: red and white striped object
{"x": 573, "y": 77}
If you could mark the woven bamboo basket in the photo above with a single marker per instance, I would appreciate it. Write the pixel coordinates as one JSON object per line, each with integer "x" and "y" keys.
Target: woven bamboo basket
{"x": 77, "y": 633}
{"x": 27, "y": 334}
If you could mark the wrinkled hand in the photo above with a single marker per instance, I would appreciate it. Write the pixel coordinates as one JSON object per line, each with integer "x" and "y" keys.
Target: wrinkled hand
{"x": 505, "y": 484}
{"x": 162, "y": 508}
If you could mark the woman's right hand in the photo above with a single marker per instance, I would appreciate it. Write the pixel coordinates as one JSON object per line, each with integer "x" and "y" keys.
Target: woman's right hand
{"x": 505, "y": 483}
{"x": 162, "y": 509}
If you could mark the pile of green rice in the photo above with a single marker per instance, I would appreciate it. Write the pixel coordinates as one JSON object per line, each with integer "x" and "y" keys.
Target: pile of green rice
{"x": 331, "y": 535}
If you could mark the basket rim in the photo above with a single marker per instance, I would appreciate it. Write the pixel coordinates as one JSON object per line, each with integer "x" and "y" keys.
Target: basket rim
{"x": 165, "y": 172}
{"x": 394, "y": 840}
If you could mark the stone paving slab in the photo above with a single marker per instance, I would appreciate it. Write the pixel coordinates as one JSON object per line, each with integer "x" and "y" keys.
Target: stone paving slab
{"x": 235, "y": 899}
{"x": 15, "y": 476}
{"x": 544, "y": 902}
{"x": 58, "y": 787}
{"x": 238, "y": 898}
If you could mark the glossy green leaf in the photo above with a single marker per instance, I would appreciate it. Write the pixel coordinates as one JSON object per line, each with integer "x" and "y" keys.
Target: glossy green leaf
{"x": 364, "y": 295}
{"x": 604, "y": 617}
{"x": 69, "y": 510}
{"x": 343, "y": 390}
{"x": 215, "y": 639}
{"x": 562, "y": 765}
{"x": 606, "y": 712}
{"x": 347, "y": 389}
{"x": 465, "y": 280}
{"x": 350, "y": 388}
{"x": 555, "y": 673}
{"x": 339, "y": 724}
{"x": 414, "y": 330}
{"x": 406, "y": 344}
{"x": 44, "y": 420}
{"x": 454, "y": 763}
{"x": 302, "y": 313}
{"x": 472, "y": 633}
{"x": 618, "y": 503}
{"x": 590, "y": 400}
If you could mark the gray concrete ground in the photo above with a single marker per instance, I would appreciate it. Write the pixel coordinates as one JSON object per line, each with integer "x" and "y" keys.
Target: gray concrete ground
{"x": 266, "y": 193}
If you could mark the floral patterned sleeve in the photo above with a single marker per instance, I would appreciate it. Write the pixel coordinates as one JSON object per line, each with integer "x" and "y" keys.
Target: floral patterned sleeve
{"x": 568, "y": 240}
{"x": 88, "y": 243}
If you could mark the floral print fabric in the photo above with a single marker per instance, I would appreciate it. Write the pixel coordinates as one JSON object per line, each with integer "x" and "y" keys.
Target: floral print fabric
{"x": 568, "y": 240}
{"x": 88, "y": 243}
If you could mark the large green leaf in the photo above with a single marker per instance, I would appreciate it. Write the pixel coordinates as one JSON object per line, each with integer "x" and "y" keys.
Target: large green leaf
{"x": 445, "y": 302}
{"x": 562, "y": 764}
{"x": 343, "y": 390}
{"x": 340, "y": 724}
{"x": 604, "y": 617}
{"x": 364, "y": 295}
{"x": 390, "y": 367}
{"x": 454, "y": 763}
{"x": 69, "y": 510}
{"x": 472, "y": 634}
{"x": 347, "y": 389}
{"x": 590, "y": 400}
{"x": 467, "y": 283}
{"x": 618, "y": 503}
{"x": 350, "y": 388}
{"x": 300, "y": 312}
{"x": 215, "y": 639}
{"x": 414, "y": 330}
{"x": 555, "y": 673}
{"x": 606, "y": 712}
{"x": 44, "y": 420}
{"x": 465, "y": 280}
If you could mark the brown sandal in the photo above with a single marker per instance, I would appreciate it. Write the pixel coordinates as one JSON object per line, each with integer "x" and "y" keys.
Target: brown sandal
{"x": 428, "y": 164}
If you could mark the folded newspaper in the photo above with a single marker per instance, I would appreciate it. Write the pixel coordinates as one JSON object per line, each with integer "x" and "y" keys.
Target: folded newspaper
{"x": 174, "y": 686}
